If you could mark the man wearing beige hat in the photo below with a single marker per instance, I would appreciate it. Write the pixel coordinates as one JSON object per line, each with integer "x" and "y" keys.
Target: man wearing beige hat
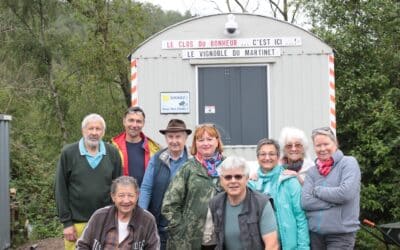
{"x": 161, "y": 169}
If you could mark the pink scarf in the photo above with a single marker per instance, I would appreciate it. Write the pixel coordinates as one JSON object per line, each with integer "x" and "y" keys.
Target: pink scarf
{"x": 324, "y": 167}
{"x": 211, "y": 163}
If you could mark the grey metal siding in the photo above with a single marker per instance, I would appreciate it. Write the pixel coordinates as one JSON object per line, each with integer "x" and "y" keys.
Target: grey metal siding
{"x": 157, "y": 75}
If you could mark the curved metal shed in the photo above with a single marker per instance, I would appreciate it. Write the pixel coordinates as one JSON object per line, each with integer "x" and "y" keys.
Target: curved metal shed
{"x": 267, "y": 75}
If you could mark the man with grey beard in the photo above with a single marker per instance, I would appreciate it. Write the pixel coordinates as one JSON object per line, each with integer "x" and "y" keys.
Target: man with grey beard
{"x": 83, "y": 178}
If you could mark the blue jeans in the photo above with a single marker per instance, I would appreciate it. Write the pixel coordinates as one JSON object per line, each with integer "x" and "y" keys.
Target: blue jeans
{"x": 344, "y": 241}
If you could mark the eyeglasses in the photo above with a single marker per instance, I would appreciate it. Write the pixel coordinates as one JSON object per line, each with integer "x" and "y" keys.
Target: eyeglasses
{"x": 235, "y": 176}
{"x": 322, "y": 130}
{"x": 295, "y": 145}
{"x": 267, "y": 154}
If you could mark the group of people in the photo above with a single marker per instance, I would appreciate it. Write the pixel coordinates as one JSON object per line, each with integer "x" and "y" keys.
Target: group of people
{"x": 135, "y": 195}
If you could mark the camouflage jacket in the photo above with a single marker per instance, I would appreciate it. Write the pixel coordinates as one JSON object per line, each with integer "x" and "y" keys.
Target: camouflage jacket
{"x": 185, "y": 205}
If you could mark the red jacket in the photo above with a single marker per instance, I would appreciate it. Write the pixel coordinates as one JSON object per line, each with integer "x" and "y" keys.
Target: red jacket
{"x": 150, "y": 148}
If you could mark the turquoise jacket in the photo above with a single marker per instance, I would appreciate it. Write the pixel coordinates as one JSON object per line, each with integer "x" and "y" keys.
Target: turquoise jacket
{"x": 285, "y": 191}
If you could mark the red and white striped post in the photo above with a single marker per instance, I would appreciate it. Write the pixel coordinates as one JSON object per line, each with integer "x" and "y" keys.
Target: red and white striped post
{"x": 134, "y": 82}
{"x": 332, "y": 99}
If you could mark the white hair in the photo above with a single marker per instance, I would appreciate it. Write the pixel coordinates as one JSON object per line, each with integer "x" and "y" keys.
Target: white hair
{"x": 290, "y": 133}
{"x": 93, "y": 117}
{"x": 234, "y": 162}
{"x": 124, "y": 181}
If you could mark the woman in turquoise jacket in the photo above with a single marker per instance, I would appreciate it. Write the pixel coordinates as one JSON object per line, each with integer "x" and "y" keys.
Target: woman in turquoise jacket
{"x": 285, "y": 191}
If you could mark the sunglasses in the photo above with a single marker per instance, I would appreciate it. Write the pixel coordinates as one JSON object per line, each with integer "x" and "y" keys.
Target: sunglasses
{"x": 134, "y": 110}
{"x": 323, "y": 130}
{"x": 235, "y": 176}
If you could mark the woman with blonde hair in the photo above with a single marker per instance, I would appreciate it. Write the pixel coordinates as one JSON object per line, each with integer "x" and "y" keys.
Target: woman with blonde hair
{"x": 331, "y": 194}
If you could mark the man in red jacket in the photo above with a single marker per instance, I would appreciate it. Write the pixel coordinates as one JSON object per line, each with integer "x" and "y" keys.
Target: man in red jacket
{"x": 134, "y": 147}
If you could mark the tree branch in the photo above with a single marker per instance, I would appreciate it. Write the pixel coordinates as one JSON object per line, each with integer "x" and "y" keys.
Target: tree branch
{"x": 22, "y": 20}
{"x": 296, "y": 8}
{"x": 279, "y": 9}
{"x": 241, "y": 6}
{"x": 216, "y": 6}
{"x": 228, "y": 4}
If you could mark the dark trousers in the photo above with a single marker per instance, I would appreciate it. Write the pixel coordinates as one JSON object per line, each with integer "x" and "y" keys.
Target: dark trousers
{"x": 343, "y": 241}
{"x": 162, "y": 232}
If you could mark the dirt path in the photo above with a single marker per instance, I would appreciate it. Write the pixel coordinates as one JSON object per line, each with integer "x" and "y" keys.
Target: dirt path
{"x": 45, "y": 244}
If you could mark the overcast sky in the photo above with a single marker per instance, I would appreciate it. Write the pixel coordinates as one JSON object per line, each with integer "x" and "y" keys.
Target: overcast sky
{"x": 207, "y": 7}
{"x": 201, "y": 7}
{"x": 177, "y": 5}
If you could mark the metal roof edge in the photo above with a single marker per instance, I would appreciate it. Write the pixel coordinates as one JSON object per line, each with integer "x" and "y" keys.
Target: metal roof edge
{"x": 221, "y": 14}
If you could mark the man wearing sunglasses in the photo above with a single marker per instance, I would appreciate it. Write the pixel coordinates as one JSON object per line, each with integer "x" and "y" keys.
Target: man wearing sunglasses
{"x": 252, "y": 223}
{"x": 135, "y": 148}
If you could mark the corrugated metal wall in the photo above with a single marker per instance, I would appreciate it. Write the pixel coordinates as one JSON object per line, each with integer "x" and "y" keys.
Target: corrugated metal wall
{"x": 4, "y": 182}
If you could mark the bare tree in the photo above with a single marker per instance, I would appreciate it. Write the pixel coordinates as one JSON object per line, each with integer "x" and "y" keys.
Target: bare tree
{"x": 287, "y": 10}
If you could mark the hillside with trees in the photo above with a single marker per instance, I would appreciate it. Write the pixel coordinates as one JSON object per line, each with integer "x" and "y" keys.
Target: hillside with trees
{"x": 60, "y": 60}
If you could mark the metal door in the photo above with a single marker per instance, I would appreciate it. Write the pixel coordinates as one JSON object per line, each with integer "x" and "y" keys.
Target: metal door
{"x": 235, "y": 100}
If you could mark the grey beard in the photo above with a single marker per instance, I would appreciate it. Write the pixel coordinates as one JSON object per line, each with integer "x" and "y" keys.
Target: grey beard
{"x": 93, "y": 144}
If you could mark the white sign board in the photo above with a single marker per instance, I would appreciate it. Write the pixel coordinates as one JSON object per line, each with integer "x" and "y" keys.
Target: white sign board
{"x": 209, "y": 109}
{"x": 232, "y": 43}
{"x": 174, "y": 102}
{"x": 226, "y": 53}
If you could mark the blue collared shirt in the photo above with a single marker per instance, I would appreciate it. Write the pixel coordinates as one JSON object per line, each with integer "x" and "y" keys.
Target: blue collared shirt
{"x": 147, "y": 184}
{"x": 92, "y": 160}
